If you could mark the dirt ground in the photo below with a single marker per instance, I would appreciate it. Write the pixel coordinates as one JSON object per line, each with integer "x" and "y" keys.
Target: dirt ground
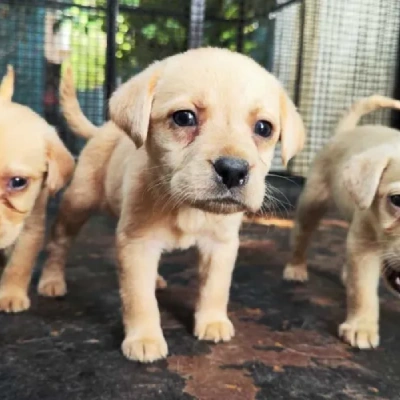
{"x": 285, "y": 345}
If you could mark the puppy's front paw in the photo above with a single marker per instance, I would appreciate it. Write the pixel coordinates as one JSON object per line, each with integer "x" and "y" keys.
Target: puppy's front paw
{"x": 214, "y": 330}
{"x": 360, "y": 333}
{"x": 145, "y": 349}
{"x": 52, "y": 288}
{"x": 296, "y": 273}
{"x": 13, "y": 300}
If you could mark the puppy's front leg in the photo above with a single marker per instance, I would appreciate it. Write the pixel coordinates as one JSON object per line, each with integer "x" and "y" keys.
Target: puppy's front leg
{"x": 17, "y": 274}
{"x": 361, "y": 328}
{"x": 217, "y": 260}
{"x": 138, "y": 264}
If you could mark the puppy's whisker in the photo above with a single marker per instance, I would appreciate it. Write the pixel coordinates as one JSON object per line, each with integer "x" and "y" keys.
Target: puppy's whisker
{"x": 280, "y": 207}
{"x": 275, "y": 203}
{"x": 284, "y": 178}
{"x": 275, "y": 189}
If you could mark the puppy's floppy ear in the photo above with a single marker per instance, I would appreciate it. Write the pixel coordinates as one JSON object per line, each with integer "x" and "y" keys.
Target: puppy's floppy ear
{"x": 130, "y": 105}
{"x": 7, "y": 84}
{"x": 292, "y": 133}
{"x": 363, "y": 172}
{"x": 60, "y": 163}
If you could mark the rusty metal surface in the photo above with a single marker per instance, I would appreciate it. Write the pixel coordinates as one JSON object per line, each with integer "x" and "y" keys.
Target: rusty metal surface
{"x": 285, "y": 345}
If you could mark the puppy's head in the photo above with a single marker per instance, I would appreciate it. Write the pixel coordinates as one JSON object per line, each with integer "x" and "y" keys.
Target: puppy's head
{"x": 210, "y": 120}
{"x": 373, "y": 180}
{"x": 33, "y": 157}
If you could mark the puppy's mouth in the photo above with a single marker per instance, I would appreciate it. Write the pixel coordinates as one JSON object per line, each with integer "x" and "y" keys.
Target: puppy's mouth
{"x": 220, "y": 205}
{"x": 391, "y": 278}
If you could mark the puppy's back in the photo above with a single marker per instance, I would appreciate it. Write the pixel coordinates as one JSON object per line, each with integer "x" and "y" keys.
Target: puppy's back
{"x": 350, "y": 139}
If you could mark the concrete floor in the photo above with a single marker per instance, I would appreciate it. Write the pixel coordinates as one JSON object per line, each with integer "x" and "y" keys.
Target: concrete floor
{"x": 285, "y": 345}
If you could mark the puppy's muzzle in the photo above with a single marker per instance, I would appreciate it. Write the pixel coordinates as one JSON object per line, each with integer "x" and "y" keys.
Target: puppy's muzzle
{"x": 231, "y": 172}
{"x": 227, "y": 195}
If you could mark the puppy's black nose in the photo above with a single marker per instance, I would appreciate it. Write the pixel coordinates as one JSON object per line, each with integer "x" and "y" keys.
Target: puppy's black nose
{"x": 232, "y": 171}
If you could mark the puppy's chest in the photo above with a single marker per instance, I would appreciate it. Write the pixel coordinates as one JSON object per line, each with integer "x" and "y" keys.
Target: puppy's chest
{"x": 190, "y": 226}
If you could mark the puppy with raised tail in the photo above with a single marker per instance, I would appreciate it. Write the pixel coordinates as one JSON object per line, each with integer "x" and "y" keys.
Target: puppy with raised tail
{"x": 358, "y": 171}
{"x": 34, "y": 163}
{"x": 200, "y": 132}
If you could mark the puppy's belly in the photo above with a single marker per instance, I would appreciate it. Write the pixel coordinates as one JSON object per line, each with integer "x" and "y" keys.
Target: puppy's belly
{"x": 343, "y": 202}
{"x": 346, "y": 210}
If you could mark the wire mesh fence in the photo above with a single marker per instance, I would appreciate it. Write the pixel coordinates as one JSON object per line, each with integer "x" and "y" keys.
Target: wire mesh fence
{"x": 326, "y": 54}
{"x": 39, "y": 38}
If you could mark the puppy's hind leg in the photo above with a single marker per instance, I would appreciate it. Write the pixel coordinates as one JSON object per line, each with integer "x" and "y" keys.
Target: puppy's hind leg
{"x": 312, "y": 205}
{"x": 161, "y": 283}
{"x": 79, "y": 200}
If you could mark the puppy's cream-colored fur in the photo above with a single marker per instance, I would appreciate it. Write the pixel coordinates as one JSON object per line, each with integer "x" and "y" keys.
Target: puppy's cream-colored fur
{"x": 359, "y": 171}
{"x": 31, "y": 152}
{"x": 166, "y": 194}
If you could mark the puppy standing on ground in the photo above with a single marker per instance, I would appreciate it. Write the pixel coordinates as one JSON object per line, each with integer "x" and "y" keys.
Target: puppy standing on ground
{"x": 206, "y": 123}
{"x": 34, "y": 163}
{"x": 359, "y": 170}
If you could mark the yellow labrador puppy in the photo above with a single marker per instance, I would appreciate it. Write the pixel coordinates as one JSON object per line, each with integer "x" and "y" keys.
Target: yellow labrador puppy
{"x": 205, "y": 123}
{"x": 34, "y": 163}
{"x": 359, "y": 171}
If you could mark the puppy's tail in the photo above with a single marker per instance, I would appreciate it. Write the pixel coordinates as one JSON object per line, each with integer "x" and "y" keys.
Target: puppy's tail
{"x": 71, "y": 109}
{"x": 362, "y": 107}
{"x": 7, "y": 84}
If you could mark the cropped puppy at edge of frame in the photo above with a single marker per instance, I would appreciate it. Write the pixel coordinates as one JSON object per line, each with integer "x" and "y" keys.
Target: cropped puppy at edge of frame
{"x": 359, "y": 171}
{"x": 206, "y": 123}
{"x": 34, "y": 164}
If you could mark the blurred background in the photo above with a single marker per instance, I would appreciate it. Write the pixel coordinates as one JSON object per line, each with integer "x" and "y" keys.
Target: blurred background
{"x": 326, "y": 53}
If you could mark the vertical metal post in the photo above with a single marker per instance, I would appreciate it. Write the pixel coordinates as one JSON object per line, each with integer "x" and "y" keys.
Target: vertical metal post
{"x": 299, "y": 71}
{"x": 395, "y": 114}
{"x": 197, "y": 12}
{"x": 112, "y": 14}
{"x": 241, "y": 24}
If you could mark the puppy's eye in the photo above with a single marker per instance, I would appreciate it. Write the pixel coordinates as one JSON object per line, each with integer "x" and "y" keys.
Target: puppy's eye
{"x": 17, "y": 183}
{"x": 395, "y": 200}
{"x": 184, "y": 118}
{"x": 263, "y": 128}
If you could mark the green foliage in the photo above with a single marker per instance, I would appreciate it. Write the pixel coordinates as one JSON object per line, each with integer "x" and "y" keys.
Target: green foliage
{"x": 88, "y": 44}
{"x": 142, "y": 39}
{"x": 159, "y": 32}
{"x": 225, "y": 33}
